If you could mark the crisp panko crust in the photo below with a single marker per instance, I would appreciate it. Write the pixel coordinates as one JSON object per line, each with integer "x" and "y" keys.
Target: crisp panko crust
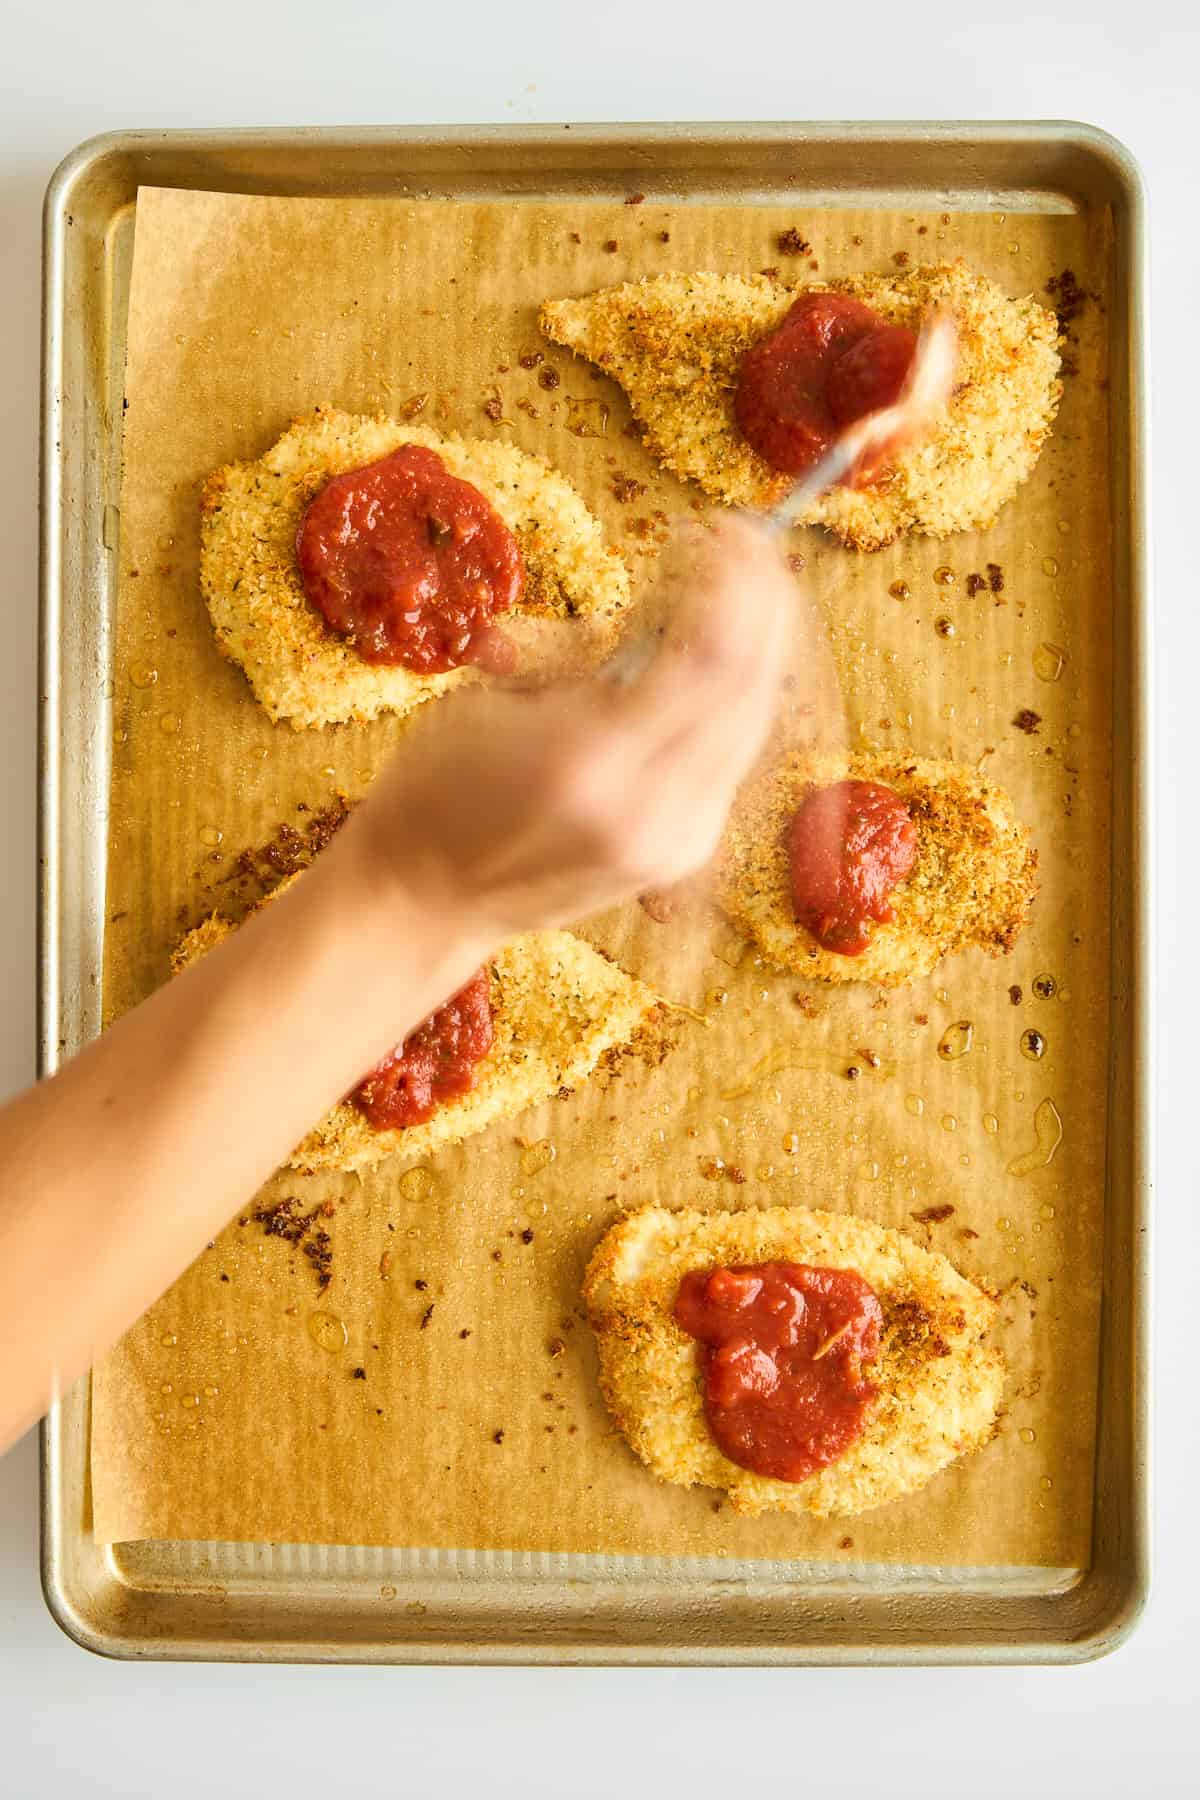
{"x": 298, "y": 668}
{"x": 972, "y": 884}
{"x": 939, "y": 1385}
{"x": 559, "y": 1008}
{"x": 675, "y": 344}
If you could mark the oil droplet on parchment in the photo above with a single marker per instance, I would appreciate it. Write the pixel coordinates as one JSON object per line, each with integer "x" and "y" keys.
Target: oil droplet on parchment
{"x": 730, "y": 947}
{"x": 774, "y": 1064}
{"x": 1033, "y": 1045}
{"x": 914, "y": 1104}
{"x": 169, "y": 724}
{"x": 327, "y": 1332}
{"x": 1048, "y": 662}
{"x": 956, "y": 1040}
{"x": 1048, "y": 1130}
{"x": 536, "y": 1157}
{"x": 143, "y": 675}
{"x": 949, "y": 1122}
{"x": 211, "y": 835}
{"x": 169, "y": 1340}
{"x": 991, "y": 1124}
{"x": 417, "y": 1184}
{"x": 1049, "y": 565}
{"x": 1027, "y": 1434}
{"x": 1045, "y": 986}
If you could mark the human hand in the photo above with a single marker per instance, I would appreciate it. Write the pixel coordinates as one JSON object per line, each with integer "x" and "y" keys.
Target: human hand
{"x": 510, "y": 810}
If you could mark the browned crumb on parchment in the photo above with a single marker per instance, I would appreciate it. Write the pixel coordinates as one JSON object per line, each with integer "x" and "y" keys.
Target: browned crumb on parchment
{"x": 285, "y": 1219}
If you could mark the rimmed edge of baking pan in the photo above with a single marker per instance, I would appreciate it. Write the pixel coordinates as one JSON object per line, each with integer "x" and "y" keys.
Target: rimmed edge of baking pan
{"x": 308, "y": 1603}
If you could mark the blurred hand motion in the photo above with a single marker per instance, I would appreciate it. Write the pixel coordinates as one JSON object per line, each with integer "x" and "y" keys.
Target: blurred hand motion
{"x": 522, "y": 808}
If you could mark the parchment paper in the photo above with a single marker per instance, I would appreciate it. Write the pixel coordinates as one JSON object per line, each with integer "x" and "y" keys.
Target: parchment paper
{"x": 221, "y": 1415}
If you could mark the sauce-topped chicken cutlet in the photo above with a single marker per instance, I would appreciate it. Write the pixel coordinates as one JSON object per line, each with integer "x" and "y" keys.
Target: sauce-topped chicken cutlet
{"x": 713, "y": 369}
{"x": 804, "y": 1362}
{"x": 363, "y": 566}
{"x": 873, "y": 867}
{"x": 539, "y": 1018}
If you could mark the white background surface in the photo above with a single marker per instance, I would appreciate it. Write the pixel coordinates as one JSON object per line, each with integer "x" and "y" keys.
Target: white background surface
{"x": 71, "y": 1724}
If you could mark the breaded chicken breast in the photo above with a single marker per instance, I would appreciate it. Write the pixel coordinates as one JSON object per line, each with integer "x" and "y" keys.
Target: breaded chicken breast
{"x": 972, "y": 883}
{"x": 302, "y": 671}
{"x": 675, "y": 344}
{"x": 559, "y": 1008}
{"x": 939, "y": 1386}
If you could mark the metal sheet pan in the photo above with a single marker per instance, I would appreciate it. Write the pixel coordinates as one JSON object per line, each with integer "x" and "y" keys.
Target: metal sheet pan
{"x": 319, "y": 1603}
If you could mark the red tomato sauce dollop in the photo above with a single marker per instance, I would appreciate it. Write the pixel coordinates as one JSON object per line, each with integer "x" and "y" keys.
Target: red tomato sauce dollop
{"x": 783, "y": 1351}
{"x": 411, "y": 564}
{"x": 848, "y": 846}
{"x": 830, "y": 361}
{"x": 435, "y": 1062}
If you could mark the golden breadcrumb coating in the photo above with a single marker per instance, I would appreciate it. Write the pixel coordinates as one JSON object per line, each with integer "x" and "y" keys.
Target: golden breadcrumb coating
{"x": 558, "y": 1008}
{"x": 939, "y": 1385}
{"x": 301, "y": 670}
{"x": 675, "y": 344}
{"x": 973, "y": 881}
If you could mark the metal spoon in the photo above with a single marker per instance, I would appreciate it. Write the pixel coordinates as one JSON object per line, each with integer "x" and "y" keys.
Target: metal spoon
{"x": 926, "y": 390}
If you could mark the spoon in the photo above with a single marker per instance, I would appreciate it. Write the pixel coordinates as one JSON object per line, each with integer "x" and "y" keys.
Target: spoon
{"x": 927, "y": 387}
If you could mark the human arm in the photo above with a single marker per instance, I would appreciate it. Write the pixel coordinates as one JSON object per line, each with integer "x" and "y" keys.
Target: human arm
{"x": 504, "y": 811}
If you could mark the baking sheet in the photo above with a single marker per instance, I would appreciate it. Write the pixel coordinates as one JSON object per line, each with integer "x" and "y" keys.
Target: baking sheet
{"x": 351, "y": 283}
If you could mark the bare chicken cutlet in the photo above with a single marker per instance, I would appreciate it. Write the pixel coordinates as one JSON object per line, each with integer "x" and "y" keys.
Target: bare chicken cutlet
{"x": 558, "y": 1009}
{"x": 971, "y": 885}
{"x": 939, "y": 1385}
{"x": 302, "y": 671}
{"x": 675, "y": 343}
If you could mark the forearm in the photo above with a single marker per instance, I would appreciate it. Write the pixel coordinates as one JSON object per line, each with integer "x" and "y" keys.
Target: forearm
{"x": 116, "y": 1172}
{"x": 506, "y": 812}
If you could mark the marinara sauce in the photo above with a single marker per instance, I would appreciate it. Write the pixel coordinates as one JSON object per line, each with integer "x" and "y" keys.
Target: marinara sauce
{"x": 830, "y": 361}
{"x": 783, "y": 1350}
{"x": 411, "y": 564}
{"x": 435, "y": 1062}
{"x": 848, "y": 845}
